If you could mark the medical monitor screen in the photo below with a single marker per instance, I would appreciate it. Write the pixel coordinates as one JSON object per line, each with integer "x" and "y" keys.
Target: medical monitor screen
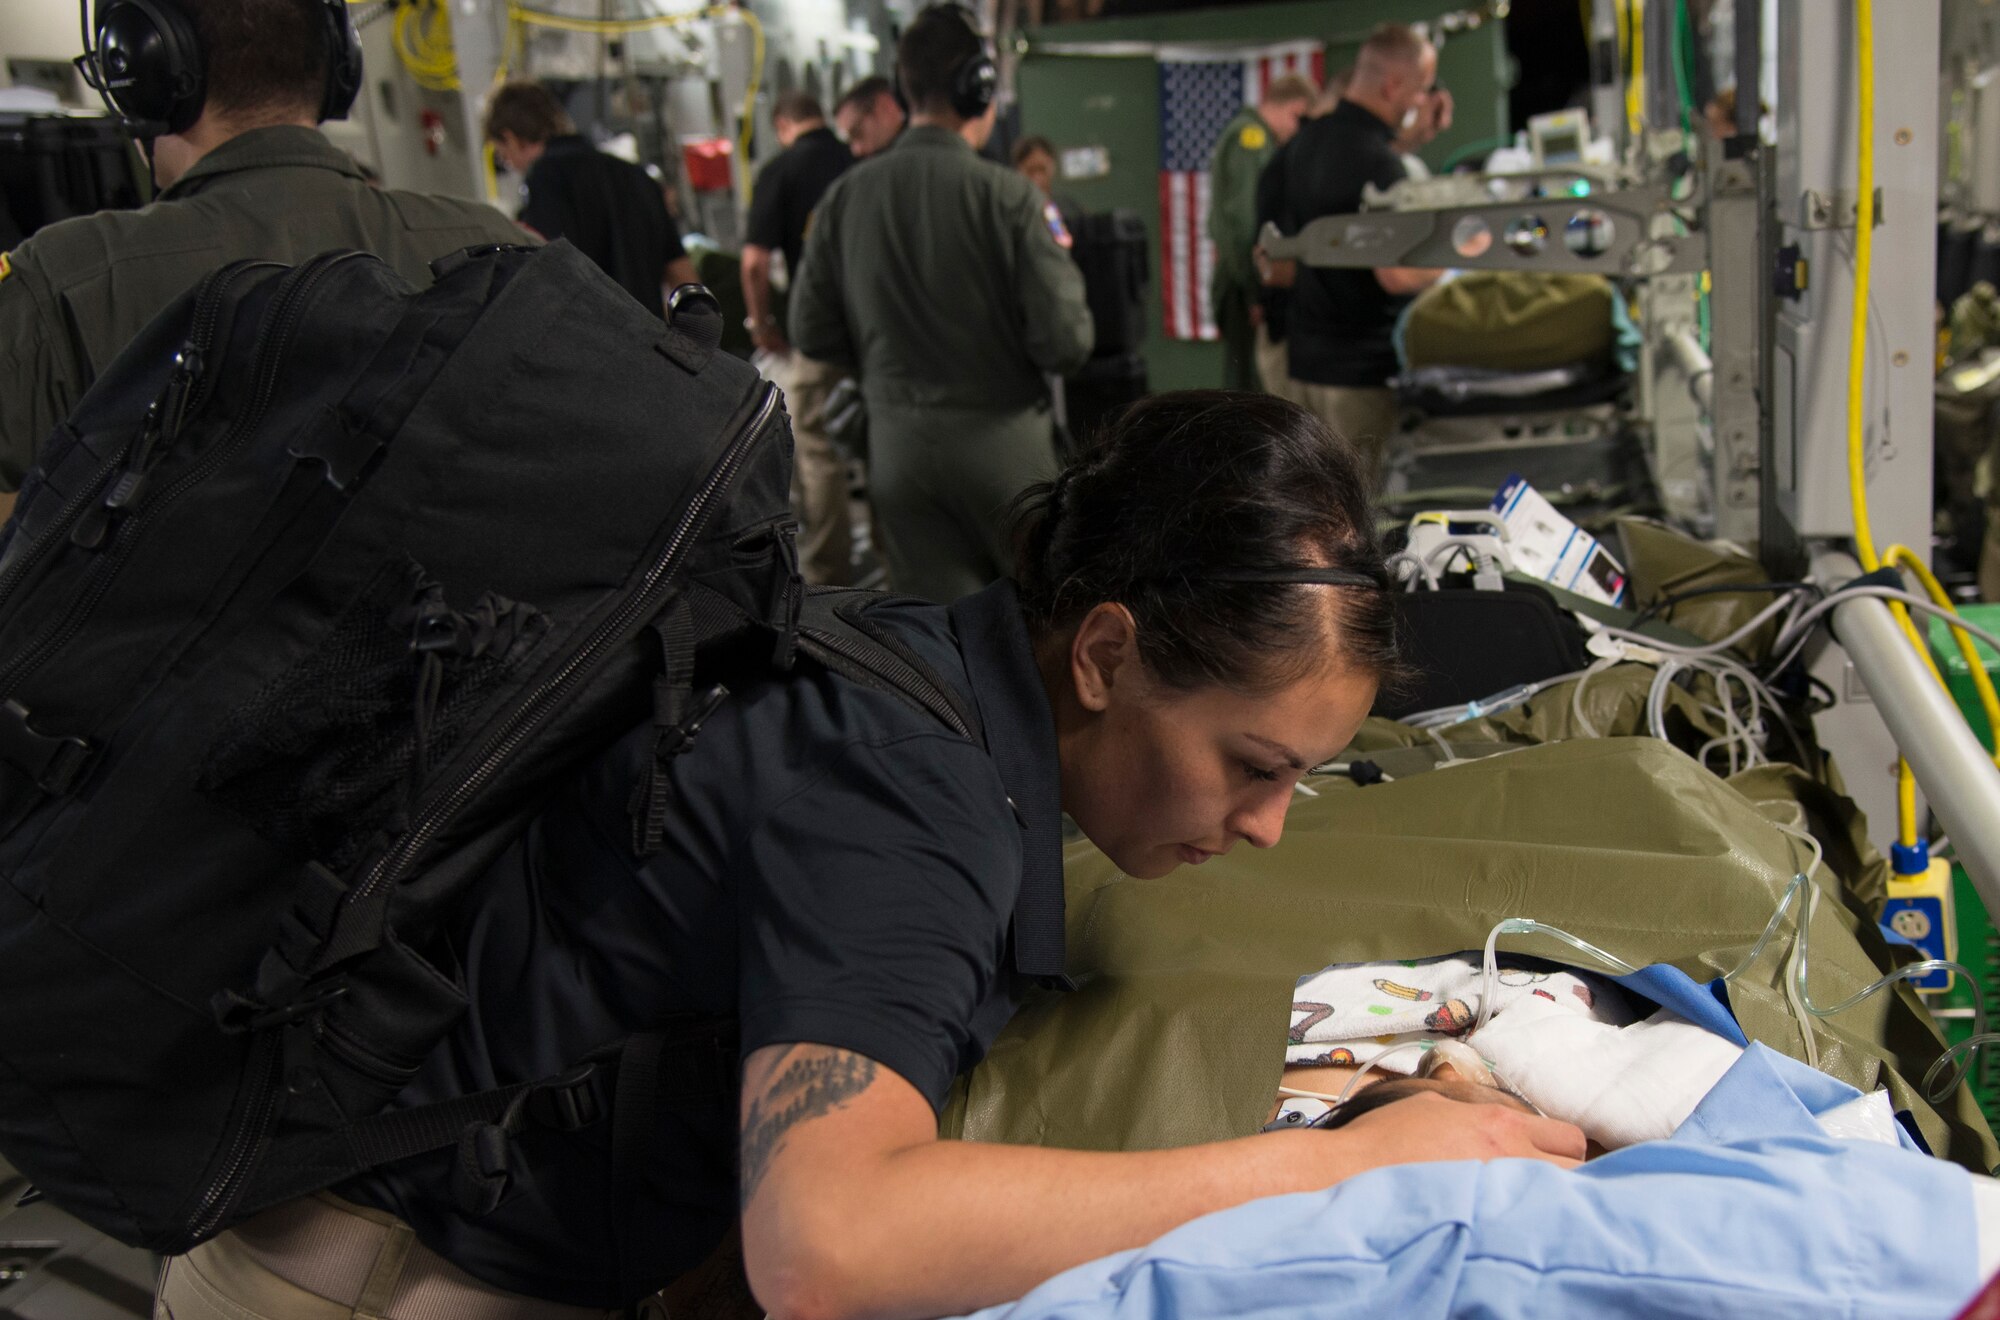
{"x": 1561, "y": 145}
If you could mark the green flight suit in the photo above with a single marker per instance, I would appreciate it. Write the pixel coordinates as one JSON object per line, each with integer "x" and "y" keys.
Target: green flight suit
{"x": 1241, "y": 153}
{"x": 76, "y": 292}
{"x": 941, "y": 278}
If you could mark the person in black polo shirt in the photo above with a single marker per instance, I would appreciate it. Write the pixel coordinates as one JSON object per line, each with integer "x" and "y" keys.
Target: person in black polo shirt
{"x": 781, "y": 207}
{"x": 1202, "y": 613}
{"x": 613, "y": 211}
{"x": 1341, "y": 355}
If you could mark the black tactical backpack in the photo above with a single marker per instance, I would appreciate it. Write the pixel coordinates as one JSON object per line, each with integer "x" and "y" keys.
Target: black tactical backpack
{"x": 322, "y": 587}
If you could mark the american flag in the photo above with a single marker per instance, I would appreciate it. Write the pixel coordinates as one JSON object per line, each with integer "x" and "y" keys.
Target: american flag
{"x": 1200, "y": 90}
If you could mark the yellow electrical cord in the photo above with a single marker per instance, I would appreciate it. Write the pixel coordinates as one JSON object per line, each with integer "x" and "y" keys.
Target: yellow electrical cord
{"x": 623, "y": 26}
{"x": 1864, "y": 257}
{"x": 423, "y": 43}
{"x": 1857, "y": 366}
{"x": 422, "y": 39}
{"x": 1900, "y": 556}
{"x": 1632, "y": 50}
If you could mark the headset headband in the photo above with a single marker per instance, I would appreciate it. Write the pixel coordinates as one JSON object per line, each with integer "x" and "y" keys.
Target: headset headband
{"x": 975, "y": 80}
{"x": 1329, "y": 577}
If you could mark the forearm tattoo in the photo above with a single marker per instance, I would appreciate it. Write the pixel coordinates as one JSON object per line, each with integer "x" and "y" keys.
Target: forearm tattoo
{"x": 807, "y": 1082}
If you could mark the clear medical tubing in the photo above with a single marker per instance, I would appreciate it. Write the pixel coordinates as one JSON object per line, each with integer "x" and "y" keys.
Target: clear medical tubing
{"x": 1347, "y": 1091}
{"x": 1796, "y": 988}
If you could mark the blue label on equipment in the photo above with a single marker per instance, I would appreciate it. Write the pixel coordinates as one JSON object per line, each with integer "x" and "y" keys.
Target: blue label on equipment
{"x": 1921, "y": 922}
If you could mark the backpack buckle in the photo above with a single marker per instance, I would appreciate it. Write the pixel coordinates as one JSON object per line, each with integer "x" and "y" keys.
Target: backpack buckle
{"x": 569, "y": 1102}
{"x": 705, "y": 705}
{"x": 54, "y": 764}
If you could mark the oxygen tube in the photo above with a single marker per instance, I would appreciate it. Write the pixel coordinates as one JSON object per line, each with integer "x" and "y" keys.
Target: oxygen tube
{"x": 1796, "y": 987}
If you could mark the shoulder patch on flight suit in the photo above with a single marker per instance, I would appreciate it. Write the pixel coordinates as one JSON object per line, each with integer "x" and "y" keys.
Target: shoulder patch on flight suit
{"x": 1253, "y": 137}
{"x": 6, "y": 266}
{"x": 1057, "y": 229}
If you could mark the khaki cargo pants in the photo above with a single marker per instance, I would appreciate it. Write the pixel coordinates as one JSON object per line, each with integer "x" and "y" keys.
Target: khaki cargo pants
{"x": 1364, "y": 417}
{"x": 820, "y": 477}
{"x": 322, "y": 1258}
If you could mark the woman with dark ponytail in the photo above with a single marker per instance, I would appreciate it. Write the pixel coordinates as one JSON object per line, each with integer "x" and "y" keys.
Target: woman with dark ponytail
{"x": 1201, "y": 615}
{"x": 1210, "y": 611}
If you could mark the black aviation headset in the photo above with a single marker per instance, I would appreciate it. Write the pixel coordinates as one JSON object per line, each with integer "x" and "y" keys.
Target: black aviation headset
{"x": 976, "y": 79}
{"x": 145, "y": 59}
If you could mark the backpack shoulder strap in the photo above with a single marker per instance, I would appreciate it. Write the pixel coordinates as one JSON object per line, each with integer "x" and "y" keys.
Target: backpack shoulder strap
{"x": 835, "y": 630}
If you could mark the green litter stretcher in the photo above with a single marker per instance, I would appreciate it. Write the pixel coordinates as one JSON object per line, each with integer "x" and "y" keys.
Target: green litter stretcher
{"x": 1177, "y": 1029}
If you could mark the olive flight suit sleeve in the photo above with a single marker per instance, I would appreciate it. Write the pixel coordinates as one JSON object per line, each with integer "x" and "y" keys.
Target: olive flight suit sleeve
{"x": 40, "y": 377}
{"x": 1058, "y": 331}
{"x": 817, "y": 308}
{"x": 1240, "y": 156}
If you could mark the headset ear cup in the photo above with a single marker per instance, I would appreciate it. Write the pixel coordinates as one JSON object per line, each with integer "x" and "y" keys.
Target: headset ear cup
{"x": 974, "y": 85}
{"x": 149, "y": 64}
{"x": 344, "y": 63}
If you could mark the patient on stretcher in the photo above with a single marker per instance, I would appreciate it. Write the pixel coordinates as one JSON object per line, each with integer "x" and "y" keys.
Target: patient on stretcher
{"x": 1564, "y": 1043}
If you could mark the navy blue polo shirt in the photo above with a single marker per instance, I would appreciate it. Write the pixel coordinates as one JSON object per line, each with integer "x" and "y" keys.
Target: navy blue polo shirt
{"x": 839, "y": 868}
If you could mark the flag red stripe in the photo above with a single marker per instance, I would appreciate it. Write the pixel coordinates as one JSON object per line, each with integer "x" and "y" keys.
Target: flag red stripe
{"x": 1185, "y": 257}
{"x": 1167, "y": 252}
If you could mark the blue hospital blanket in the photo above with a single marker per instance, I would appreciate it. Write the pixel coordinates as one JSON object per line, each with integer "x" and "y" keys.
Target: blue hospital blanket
{"x": 1750, "y": 1210}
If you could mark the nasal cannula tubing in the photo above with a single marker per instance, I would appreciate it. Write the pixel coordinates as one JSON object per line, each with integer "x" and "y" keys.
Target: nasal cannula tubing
{"x": 1456, "y": 1053}
{"x": 1795, "y": 985}
{"x": 1347, "y": 1091}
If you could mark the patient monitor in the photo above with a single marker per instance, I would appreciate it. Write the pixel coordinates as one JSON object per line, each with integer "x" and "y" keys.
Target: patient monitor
{"x": 1559, "y": 138}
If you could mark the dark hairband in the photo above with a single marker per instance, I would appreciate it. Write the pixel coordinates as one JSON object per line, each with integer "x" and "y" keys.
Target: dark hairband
{"x": 1331, "y": 577}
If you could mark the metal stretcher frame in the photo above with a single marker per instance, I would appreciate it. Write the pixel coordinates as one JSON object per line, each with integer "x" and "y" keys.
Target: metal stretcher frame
{"x": 1432, "y": 239}
{"x": 1956, "y": 774}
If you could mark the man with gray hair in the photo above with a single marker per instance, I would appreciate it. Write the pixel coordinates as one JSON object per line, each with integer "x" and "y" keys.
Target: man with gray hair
{"x": 1341, "y": 355}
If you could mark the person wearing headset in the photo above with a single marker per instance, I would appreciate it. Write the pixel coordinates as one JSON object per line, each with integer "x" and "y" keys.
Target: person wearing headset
{"x": 224, "y": 97}
{"x": 944, "y": 279}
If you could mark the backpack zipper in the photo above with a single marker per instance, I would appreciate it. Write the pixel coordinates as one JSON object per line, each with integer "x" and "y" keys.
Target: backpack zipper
{"x": 530, "y": 712}
{"x": 221, "y": 1194}
{"x": 208, "y": 301}
{"x": 285, "y": 314}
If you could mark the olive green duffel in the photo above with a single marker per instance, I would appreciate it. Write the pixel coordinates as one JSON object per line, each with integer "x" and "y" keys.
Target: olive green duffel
{"x": 1509, "y": 321}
